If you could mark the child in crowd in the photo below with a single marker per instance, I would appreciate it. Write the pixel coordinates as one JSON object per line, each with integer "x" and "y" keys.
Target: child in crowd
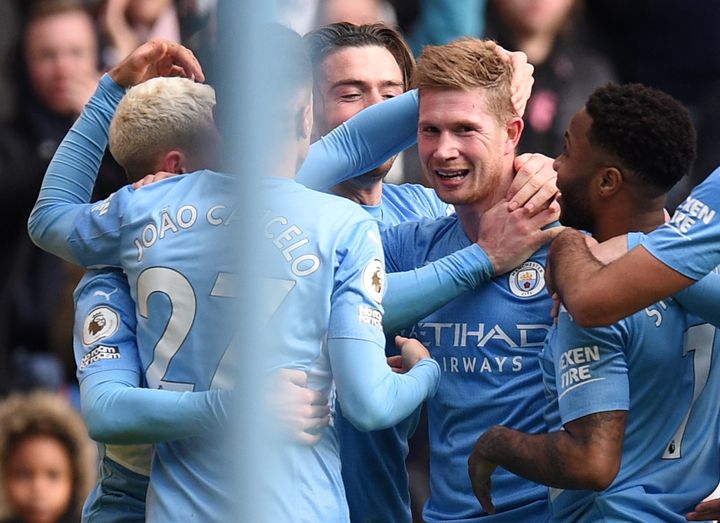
{"x": 47, "y": 460}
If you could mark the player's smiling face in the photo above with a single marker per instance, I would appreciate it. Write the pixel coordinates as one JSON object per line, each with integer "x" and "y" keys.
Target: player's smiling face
{"x": 461, "y": 145}
{"x": 352, "y": 79}
{"x": 575, "y": 167}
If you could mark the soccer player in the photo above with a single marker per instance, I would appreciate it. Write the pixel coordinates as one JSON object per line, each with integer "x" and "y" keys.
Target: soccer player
{"x": 486, "y": 340}
{"x": 116, "y": 410}
{"x": 123, "y": 229}
{"x": 356, "y": 67}
{"x": 637, "y": 400}
{"x": 671, "y": 258}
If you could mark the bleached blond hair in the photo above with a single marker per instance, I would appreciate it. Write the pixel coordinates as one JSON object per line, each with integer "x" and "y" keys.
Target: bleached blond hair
{"x": 157, "y": 116}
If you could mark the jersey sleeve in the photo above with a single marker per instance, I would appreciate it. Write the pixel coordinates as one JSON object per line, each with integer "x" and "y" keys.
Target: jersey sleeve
{"x": 701, "y": 298}
{"x": 361, "y": 144}
{"x": 404, "y": 245}
{"x": 70, "y": 177}
{"x": 418, "y": 292}
{"x": 115, "y": 408}
{"x": 591, "y": 371}
{"x": 690, "y": 242}
{"x": 371, "y": 395}
{"x": 104, "y": 332}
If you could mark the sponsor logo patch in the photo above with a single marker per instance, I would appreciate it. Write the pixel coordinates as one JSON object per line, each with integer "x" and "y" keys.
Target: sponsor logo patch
{"x": 373, "y": 279}
{"x": 101, "y": 352}
{"x": 100, "y": 323}
{"x": 370, "y": 316}
{"x": 527, "y": 280}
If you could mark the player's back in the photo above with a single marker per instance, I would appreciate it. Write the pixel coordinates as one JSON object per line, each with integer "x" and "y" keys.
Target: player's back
{"x": 177, "y": 251}
{"x": 310, "y": 238}
{"x": 670, "y": 451}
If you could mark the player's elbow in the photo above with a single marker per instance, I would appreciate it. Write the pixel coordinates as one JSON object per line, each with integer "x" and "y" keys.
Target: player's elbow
{"x": 587, "y": 312}
{"x": 33, "y": 226}
{"x": 368, "y": 415}
{"x": 600, "y": 471}
{"x": 99, "y": 429}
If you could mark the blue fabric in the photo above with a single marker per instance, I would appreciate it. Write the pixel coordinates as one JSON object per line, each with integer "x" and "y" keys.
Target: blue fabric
{"x": 343, "y": 278}
{"x": 487, "y": 343}
{"x": 657, "y": 364}
{"x": 689, "y": 242}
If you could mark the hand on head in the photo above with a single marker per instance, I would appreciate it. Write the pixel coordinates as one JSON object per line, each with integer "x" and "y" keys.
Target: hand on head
{"x": 155, "y": 58}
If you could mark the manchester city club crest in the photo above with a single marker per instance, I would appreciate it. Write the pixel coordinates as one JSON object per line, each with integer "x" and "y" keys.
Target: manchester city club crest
{"x": 527, "y": 280}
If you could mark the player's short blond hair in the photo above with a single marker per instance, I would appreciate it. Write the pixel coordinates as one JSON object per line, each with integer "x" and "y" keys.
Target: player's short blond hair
{"x": 468, "y": 64}
{"x": 157, "y": 116}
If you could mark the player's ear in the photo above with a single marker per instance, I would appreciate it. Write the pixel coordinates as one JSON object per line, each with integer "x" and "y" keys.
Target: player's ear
{"x": 514, "y": 131}
{"x": 174, "y": 162}
{"x": 304, "y": 121}
{"x": 610, "y": 181}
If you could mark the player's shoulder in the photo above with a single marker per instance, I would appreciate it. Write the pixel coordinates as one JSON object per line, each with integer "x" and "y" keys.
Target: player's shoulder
{"x": 327, "y": 210}
{"x": 428, "y": 227}
{"x": 415, "y": 193}
{"x": 101, "y": 280}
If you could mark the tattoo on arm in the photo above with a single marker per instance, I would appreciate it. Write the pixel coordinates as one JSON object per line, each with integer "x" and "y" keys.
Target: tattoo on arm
{"x": 584, "y": 456}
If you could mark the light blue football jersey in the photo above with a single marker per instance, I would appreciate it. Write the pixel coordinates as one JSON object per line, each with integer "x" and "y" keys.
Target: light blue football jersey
{"x": 690, "y": 241}
{"x": 143, "y": 233}
{"x": 174, "y": 240}
{"x": 374, "y": 471}
{"x": 325, "y": 251}
{"x": 104, "y": 341}
{"x": 658, "y": 365}
{"x": 487, "y": 343}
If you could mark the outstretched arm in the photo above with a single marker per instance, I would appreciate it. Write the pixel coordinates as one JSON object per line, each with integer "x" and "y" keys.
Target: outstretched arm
{"x": 597, "y": 294}
{"x": 505, "y": 239}
{"x": 372, "y": 396}
{"x": 362, "y": 143}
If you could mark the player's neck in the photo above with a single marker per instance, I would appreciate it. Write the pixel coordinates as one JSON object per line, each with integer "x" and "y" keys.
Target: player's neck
{"x": 471, "y": 214}
{"x": 364, "y": 194}
{"x": 625, "y": 217}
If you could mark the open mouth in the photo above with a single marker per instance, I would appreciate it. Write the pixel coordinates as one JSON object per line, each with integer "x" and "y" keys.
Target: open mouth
{"x": 450, "y": 174}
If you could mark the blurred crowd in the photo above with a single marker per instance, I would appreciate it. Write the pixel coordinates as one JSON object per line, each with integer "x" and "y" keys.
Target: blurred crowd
{"x": 52, "y": 52}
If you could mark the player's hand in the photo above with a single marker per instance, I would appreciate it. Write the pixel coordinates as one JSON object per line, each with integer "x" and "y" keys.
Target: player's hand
{"x": 707, "y": 510}
{"x": 302, "y": 413}
{"x": 511, "y": 237}
{"x": 522, "y": 80}
{"x": 480, "y": 470}
{"x": 535, "y": 182}
{"x": 411, "y": 351}
{"x": 156, "y": 58}
{"x": 395, "y": 364}
{"x": 153, "y": 178}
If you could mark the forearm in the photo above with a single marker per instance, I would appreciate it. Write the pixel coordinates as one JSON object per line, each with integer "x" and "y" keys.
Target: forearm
{"x": 552, "y": 459}
{"x": 413, "y": 295}
{"x": 372, "y": 396}
{"x": 702, "y": 298}
{"x": 361, "y": 144}
{"x": 117, "y": 411}
{"x": 71, "y": 175}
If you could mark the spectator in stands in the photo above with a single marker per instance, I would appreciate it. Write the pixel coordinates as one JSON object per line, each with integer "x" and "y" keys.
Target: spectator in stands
{"x": 46, "y": 458}
{"x": 567, "y": 70}
{"x": 60, "y": 71}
